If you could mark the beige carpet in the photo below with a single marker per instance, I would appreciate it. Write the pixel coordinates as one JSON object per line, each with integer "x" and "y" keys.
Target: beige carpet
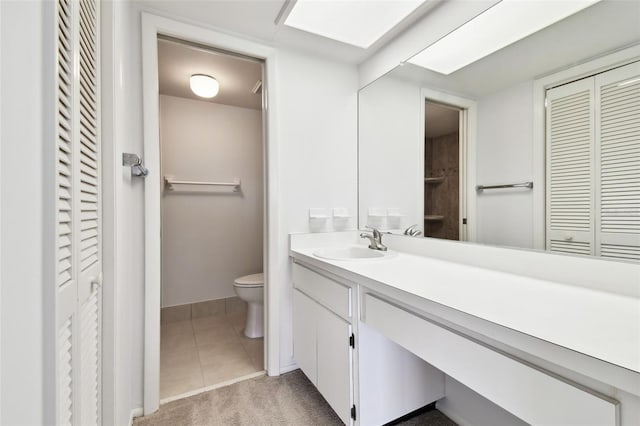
{"x": 290, "y": 399}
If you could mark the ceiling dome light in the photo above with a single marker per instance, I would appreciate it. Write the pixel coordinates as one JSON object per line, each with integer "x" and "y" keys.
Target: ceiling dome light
{"x": 204, "y": 86}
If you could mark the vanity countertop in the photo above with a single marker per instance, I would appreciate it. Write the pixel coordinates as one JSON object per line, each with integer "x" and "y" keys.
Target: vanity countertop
{"x": 596, "y": 323}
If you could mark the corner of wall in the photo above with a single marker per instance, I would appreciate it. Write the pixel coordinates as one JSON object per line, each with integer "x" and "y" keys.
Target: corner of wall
{"x": 467, "y": 408}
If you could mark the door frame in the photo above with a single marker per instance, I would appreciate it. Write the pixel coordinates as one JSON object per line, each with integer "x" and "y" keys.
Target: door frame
{"x": 152, "y": 26}
{"x": 467, "y": 156}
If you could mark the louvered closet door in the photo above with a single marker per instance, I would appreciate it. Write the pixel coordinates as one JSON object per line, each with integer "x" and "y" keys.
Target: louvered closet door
{"x": 618, "y": 163}
{"x": 78, "y": 303}
{"x": 570, "y": 166}
{"x": 89, "y": 226}
{"x": 67, "y": 324}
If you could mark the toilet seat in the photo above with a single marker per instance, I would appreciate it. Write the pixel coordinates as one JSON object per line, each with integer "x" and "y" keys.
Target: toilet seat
{"x": 250, "y": 281}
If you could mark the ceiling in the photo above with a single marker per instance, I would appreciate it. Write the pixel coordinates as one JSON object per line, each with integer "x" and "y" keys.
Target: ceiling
{"x": 236, "y": 75}
{"x": 440, "y": 120}
{"x": 257, "y": 19}
{"x": 595, "y": 31}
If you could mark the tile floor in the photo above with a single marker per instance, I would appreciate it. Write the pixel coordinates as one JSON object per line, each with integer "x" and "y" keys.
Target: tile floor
{"x": 206, "y": 351}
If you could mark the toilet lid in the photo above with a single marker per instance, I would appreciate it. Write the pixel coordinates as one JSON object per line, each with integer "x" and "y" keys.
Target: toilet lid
{"x": 252, "y": 280}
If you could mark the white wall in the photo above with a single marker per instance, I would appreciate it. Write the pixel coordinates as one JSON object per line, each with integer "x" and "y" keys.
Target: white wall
{"x": 389, "y": 152}
{"x": 21, "y": 226}
{"x": 504, "y": 155}
{"x": 124, "y": 238}
{"x": 317, "y": 141}
{"x": 1, "y": 258}
{"x": 466, "y": 407}
{"x": 317, "y": 106}
{"x": 210, "y": 236}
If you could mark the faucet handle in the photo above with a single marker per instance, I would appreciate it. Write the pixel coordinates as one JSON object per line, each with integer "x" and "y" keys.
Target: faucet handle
{"x": 413, "y": 231}
{"x": 376, "y": 231}
{"x": 376, "y": 234}
{"x": 376, "y": 239}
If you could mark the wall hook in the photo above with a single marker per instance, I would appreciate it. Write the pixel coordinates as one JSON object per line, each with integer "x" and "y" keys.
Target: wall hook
{"x": 135, "y": 162}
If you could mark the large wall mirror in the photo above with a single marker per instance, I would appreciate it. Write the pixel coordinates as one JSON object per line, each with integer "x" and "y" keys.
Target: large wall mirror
{"x": 536, "y": 145}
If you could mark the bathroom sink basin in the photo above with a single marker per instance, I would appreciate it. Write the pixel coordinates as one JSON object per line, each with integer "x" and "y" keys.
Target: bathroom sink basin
{"x": 349, "y": 253}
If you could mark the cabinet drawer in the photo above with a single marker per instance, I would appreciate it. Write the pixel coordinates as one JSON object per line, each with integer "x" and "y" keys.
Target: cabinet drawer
{"x": 527, "y": 392}
{"x": 325, "y": 291}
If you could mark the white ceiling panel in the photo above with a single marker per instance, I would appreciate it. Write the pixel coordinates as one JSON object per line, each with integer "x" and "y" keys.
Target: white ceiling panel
{"x": 256, "y": 19}
{"x": 356, "y": 22}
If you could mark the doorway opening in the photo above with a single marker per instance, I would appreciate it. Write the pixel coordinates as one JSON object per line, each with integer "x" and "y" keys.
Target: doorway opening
{"x": 212, "y": 217}
{"x": 154, "y": 26}
{"x": 442, "y": 171}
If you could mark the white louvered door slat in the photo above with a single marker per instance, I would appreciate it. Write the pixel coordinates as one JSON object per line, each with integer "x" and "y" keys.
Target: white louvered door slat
{"x": 79, "y": 236}
{"x": 570, "y": 141}
{"x": 618, "y": 165}
{"x": 90, "y": 403}
{"x": 89, "y": 229}
{"x": 66, "y": 299}
{"x": 65, "y": 374}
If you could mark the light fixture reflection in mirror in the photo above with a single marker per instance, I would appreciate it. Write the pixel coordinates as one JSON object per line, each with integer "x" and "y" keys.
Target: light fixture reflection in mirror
{"x": 501, "y": 25}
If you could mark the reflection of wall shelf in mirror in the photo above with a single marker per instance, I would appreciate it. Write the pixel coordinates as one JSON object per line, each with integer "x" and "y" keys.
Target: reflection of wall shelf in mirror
{"x": 437, "y": 179}
{"x": 433, "y": 217}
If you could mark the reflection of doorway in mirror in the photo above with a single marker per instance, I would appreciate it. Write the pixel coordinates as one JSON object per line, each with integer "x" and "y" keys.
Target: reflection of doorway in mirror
{"x": 442, "y": 171}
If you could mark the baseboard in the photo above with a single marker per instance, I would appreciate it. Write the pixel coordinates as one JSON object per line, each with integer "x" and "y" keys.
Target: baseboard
{"x": 136, "y": 412}
{"x": 288, "y": 368}
{"x": 206, "y": 308}
{"x": 414, "y": 413}
{"x": 454, "y": 415}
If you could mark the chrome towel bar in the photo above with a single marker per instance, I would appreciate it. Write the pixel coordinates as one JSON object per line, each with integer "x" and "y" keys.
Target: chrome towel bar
{"x": 170, "y": 182}
{"x": 480, "y": 188}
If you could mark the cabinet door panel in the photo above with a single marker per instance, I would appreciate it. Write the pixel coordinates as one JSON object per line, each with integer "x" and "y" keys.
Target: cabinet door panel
{"x": 334, "y": 363}
{"x": 618, "y": 163}
{"x": 570, "y": 168}
{"x": 304, "y": 335}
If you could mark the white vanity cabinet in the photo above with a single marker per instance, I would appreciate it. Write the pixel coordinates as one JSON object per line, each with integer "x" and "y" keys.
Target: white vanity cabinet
{"x": 527, "y": 391}
{"x": 322, "y": 337}
{"x": 490, "y": 347}
{"x": 365, "y": 377}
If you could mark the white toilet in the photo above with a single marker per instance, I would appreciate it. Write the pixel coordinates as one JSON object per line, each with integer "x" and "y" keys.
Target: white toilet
{"x": 250, "y": 289}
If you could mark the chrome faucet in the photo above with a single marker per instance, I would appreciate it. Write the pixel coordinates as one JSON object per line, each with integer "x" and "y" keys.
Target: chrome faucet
{"x": 413, "y": 231}
{"x": 375, "y": 239}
